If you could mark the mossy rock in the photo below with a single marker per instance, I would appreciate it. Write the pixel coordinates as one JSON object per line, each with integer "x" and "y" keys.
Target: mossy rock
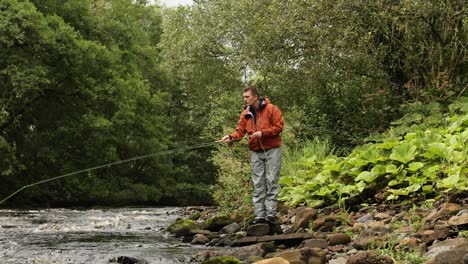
{"x": 223, "y": 260}
{"x": 182, "y": 227}
{"x": 217, "y": 222}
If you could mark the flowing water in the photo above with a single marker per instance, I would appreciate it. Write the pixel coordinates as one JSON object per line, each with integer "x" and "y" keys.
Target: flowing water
{"x": 90, "y": 236}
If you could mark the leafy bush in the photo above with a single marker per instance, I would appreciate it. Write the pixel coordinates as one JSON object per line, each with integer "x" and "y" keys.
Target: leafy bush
{"x": 423, "y": 153}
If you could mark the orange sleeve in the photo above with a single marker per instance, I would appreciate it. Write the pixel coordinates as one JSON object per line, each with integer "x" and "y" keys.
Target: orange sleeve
{"x": 240, "y": 130}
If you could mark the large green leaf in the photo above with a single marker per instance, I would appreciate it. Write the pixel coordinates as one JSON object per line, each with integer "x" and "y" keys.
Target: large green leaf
{"x": 367, "y": 176}
{"x": 404, "y": 153}
{"x": 414, "y": 166}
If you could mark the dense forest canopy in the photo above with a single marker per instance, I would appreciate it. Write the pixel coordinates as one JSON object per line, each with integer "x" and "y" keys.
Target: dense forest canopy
{"x": 88, "y": 82}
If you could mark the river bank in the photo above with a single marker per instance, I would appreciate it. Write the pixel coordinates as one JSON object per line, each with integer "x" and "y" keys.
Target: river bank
{"x": 430, "y": 233}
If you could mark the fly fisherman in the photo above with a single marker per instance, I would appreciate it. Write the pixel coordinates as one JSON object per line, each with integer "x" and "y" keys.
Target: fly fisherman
{"x": 263, "y": 123}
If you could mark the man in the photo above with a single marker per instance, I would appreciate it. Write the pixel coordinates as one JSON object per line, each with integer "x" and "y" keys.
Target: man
{"x": 263, "y": 123}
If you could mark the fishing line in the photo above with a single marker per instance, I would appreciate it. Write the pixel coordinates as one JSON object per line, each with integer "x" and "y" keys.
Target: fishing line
{"x": 202, "y": 145}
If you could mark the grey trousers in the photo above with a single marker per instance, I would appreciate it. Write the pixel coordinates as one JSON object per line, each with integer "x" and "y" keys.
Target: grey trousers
{"x": 266, "y": 166}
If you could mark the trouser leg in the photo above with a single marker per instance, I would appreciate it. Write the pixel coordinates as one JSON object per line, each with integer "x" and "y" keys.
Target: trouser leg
{"x": 273, "y": 167}
{"x": 259, "y": 183}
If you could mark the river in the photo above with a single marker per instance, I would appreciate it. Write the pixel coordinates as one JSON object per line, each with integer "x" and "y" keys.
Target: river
{"x": 91, "y": 236}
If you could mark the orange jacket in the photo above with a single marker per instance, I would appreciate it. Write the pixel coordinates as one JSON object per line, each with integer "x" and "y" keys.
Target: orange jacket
{"x": 268, "y": 119}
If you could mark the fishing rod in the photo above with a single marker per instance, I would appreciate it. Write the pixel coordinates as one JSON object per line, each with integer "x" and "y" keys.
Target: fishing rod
{"x": 202, "y": 145}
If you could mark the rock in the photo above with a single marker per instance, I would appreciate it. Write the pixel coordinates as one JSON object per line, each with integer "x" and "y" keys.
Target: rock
{"x": 465, "y": 259}
{"x": 182, "y": 227}
{"x": 365, "y": 218}
{"x": 462, "y": 212}
{"x": 444, "y": 212}
{"x": 230, "y": 229}
{"x": 127, "y": 260}
{"x": 304, "y": 256}
{"x": 339, "y": 239}
{"x": 378, "y": 227}
{"x": 365, "y": 242}
{"x": 314, "y": 243}
{"x": 258, "y": 230}
{"x": 340, "y": 260}
{"x": 303, "y": 218}
{"x": 369, "y": 257}
{"x": 326, "y": 223}
{"x": 200, "y": 239}
{"x": 222, "y": 260}
{"x": 217, "y": 222}
{"x": 275, "y": 260}
{"x": 381, "y": 216}
{"x": 458, "y": 220}
{"x": 242, "y": 253}
{"x": 450, "y": 251}
{"x": 410, "y": 242}
{"x": 199, "y": 231}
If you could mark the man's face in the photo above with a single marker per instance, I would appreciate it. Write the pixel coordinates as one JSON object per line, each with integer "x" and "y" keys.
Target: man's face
{"x": 250, "y": 99}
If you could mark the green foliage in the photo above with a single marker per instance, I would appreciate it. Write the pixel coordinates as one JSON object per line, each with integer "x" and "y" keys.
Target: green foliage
{"x": 83, "y": 85}
{"x": 233, "y": 188}
{"x": 413, "y": 158}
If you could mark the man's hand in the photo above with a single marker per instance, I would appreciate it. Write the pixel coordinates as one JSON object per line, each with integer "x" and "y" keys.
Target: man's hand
{"x": 257, "y": 134}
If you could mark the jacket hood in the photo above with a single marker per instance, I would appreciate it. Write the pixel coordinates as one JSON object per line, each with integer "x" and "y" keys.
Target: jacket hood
{"x": 262, "y": 102}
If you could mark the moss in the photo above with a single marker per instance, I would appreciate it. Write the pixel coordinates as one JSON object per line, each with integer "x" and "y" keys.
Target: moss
{"x": 223, "y": 260}
{"x": 217, "y": 222}
{"x": 182, "y": 227}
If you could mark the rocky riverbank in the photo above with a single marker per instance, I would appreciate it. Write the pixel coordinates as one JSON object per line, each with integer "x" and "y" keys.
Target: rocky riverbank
{"x": 430, "y": 234}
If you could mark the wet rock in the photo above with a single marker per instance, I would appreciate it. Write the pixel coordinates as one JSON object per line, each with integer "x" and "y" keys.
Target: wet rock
{"x": 304, "y": 255}
{"x": 258, "y": 230}
{"x": 127, "y": 260}
{"x": 200, "y": 239}
{"x": 275, "y": 260}
{"x": 230, "y": 229}
{"x": 449, "y": 251}
{"x": 369, "y": 257}
{"x": 303, "y": 218}
{"x": 339, "y": 239}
